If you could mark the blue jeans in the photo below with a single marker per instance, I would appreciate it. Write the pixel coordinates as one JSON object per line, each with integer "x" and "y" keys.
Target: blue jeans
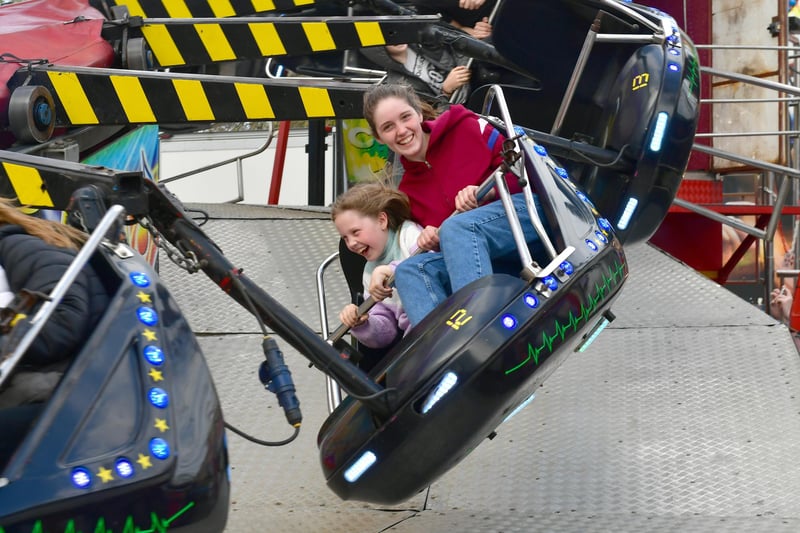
{"x": 473, "y": 244}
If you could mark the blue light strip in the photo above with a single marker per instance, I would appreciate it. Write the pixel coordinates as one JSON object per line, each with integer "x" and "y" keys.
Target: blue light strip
{"x": 627, "y": 213}
{"x": 659, "y": 131}
{"x": 361, "y": 465}
{"x": 447, "y": 382}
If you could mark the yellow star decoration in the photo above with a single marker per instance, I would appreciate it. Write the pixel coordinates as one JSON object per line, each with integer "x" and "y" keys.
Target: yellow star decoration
{"x": 144, "y": 461}
{"x": 143, "y": 297}
{"x": 161, "y": 425}
{"x": 105, "y": 474}
{"x": 149, "y": 334}
{"x": 156, "y": 375}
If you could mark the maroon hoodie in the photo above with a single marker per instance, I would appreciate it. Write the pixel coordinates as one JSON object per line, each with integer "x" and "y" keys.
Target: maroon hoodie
{"x": 463, "y": 149}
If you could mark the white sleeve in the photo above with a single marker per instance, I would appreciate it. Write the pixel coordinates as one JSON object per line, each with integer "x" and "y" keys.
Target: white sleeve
{"x": 6, "y": 296}
{"x": 407, "y": 238}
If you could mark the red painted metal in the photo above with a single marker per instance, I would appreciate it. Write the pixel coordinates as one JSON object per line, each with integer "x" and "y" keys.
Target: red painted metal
{"x": 63, "y": 32}
{"x": 277, "y": 166}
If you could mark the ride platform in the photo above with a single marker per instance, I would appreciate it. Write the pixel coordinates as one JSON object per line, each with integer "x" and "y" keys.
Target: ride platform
{"x": 683, "y": 415}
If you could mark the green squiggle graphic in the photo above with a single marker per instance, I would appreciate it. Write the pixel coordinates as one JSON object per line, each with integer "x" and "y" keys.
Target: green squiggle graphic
{"x": 157, "y": 524}
{"x": 560, "y": 330}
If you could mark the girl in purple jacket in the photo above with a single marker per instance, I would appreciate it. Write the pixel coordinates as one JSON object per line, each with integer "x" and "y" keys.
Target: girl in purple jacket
{"x": 374, "y": 221}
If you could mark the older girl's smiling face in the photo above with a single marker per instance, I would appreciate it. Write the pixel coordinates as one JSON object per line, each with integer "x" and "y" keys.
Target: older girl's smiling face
{"x": 399, "y": 126}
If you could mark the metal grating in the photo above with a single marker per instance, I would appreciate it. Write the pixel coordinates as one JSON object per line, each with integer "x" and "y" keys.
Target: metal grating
{"x": 683, "y": 416}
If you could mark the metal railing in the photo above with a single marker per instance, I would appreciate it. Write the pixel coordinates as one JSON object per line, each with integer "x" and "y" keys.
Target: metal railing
{"x": 236, "y": 159}
{"x": 789, "y": 96}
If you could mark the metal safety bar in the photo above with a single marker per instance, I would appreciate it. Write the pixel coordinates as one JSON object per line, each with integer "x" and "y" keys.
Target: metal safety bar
{"x": 333, "y": 389}
{"x": 496, "y": 92}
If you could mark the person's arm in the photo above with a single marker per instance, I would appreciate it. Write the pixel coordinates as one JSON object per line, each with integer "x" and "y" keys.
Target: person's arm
{"x": 381, "y": 327}
{"x": 32, "y": 264}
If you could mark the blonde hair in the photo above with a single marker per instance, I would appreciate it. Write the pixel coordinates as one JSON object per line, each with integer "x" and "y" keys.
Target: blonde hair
{"x": 53, "y": 233}
{"x": 371, "y": 199}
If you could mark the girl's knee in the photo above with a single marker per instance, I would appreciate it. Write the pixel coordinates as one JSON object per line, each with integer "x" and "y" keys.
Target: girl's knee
{"x": 450, "y": 228}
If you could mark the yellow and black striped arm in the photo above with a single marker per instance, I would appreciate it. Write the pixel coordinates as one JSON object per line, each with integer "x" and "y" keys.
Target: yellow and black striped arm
{"x": 49, "y": 183}
{"x": 176, "y": 42}
{"x": 90, "y": 96}
{"x": 207, "y": 8}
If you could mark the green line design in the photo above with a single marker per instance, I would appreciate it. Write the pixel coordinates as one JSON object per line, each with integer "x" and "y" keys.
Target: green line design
{"x": 560, "y": 330}
{"x": 157, "y": 524}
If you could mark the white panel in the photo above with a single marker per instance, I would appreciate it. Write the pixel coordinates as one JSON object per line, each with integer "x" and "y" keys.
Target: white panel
{"x": 744, "y": 22}
{"x": 746, "y": 117}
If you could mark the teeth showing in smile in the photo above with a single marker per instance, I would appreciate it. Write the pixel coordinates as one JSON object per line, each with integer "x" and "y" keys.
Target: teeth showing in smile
{"x": 405, "y": 140}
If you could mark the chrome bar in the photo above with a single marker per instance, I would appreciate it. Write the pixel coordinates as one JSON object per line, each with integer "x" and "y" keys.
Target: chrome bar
{"x": 614, "y": 5}
{"x": 627, "y": 38}
{"x": 780, "y": 169}
{"x": 577, "y": 71}
{"x": 752, "y": 80}
{"x": 333, "y": 389}
{"x": 719, "y": 217}
{"x": 744, "y": 134}
{"x": 495, "y": 91}
{"x": 212, "y": 166}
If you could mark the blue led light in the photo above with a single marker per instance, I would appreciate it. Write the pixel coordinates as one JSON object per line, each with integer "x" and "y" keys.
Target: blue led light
{"x": 674, "y": 51}
{"x": 627, "y": 213}
{"x": 562, "y": 172}
{"x": 591, "y": 244}
{"x": 81, "y": 478}
{"x": 583, "y": 197}
{"x": 550, "y": 282}
{"x": 567, "y": 268}
{"x": 540, "y": 150}
{"x": 531, "y": 300}
{"x": 509, "y": 321}
{"x": 361, "y": 465}
{"x": 673, "y": 39}
{"x": 147, "y": 316}
{"x": 154, "y": 355}
{"x": 447, "y": 382}
{"x": 159, "y": 448}
{"x": 600, "y": 237}
{"x": 674, "y": 67}
{"x": 140, "y": 279}
{"x": 158, "y": 397}
{"x": 604, "y": 223}
{"x": 124, "y": 467}
{"x": 658, "y": 131}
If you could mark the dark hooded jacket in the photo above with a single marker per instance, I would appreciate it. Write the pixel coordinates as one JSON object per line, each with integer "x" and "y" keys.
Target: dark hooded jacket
{"x": 32, "y": 264}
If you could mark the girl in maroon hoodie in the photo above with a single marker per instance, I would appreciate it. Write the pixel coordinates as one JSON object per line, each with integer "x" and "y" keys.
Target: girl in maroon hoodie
{"x": 444, "y": 161}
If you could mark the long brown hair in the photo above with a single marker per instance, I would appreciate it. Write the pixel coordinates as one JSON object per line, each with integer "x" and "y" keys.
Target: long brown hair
{"x": 49, "y": 231}
{"x": 371, "y": 199}
{"x": 377, "y": 93}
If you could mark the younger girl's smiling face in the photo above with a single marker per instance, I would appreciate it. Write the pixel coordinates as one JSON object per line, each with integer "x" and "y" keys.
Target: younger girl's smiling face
{"x": 399, "y": 126}
{"x": 363, "y": 234}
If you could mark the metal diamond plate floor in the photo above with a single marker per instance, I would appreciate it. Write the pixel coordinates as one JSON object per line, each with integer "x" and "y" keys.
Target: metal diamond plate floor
{"x": 684, "y": 415}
